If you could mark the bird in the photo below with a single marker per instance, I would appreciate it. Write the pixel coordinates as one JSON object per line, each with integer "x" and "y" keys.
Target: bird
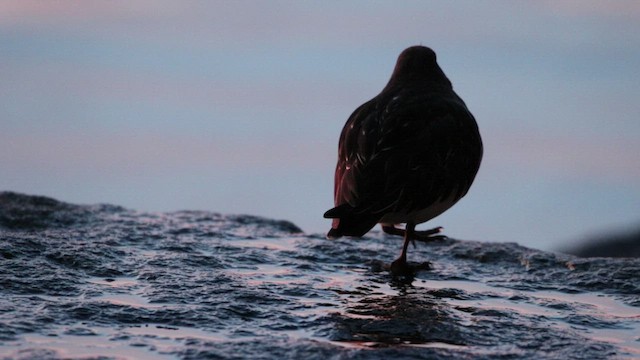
{"x": 405, "y": 156}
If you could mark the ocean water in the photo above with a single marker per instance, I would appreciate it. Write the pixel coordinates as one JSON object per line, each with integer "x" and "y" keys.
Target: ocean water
{"x": 103, "y": 282}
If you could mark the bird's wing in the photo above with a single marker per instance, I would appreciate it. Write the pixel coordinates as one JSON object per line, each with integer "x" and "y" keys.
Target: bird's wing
{"x": 396, "y": 155}
{"x": 350, "y": 159}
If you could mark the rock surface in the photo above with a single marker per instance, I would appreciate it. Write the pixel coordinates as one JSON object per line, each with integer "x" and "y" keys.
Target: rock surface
{"x": 101, "y": 281}
{"x": 623, "y": 244}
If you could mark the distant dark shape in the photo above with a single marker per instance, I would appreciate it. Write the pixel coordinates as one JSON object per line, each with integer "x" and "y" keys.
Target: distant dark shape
{"x": 624, "y": 244}
{"x": 28, "y": 212}
{"x": 405, "y": 156}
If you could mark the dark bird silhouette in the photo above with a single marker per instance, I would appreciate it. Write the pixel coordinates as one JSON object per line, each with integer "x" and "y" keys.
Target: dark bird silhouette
{"x": 405, "y": 156}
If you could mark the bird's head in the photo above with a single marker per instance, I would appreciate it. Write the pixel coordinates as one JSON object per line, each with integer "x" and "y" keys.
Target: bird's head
{"x": 418, "y": 62}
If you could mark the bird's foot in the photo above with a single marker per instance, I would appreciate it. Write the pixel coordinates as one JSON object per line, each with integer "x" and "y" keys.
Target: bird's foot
{"x": 429, "y": 235}
{"x": 401, "y": 268}
{"x": 424, "y": 235}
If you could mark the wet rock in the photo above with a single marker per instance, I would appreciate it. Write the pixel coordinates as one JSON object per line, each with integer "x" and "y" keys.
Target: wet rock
{"x": 624, "y": 244}
{"x": 111, "y": 282}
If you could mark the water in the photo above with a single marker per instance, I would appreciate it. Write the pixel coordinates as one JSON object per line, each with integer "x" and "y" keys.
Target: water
{"x": 105, "y": 282}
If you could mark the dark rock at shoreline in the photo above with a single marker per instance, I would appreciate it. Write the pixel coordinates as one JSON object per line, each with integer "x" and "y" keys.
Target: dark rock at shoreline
{"x": 625, "y": 244}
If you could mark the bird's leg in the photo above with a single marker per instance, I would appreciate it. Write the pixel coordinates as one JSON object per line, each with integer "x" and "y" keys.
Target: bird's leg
{"x": 392, "y": 230}
{"x": 424, "y": 235}
{"x": 400, "y": 266}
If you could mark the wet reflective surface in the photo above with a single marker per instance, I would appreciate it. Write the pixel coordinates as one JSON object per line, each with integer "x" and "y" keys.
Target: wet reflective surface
{"x": 105, "y": 282}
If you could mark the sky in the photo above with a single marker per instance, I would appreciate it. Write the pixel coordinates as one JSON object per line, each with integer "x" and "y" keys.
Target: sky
{"x": 236, "y": 106}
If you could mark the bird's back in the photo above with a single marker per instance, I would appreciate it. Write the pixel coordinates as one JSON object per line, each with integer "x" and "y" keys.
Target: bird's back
{"x": 406, "y": 155}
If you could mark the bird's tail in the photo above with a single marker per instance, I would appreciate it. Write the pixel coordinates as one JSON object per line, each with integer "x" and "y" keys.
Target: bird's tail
{"x": 349, "y": 222}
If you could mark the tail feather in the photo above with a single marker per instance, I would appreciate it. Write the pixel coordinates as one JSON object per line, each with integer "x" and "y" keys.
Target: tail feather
{"x": 338, "y": 211}
{"x": 348, "y": 222}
